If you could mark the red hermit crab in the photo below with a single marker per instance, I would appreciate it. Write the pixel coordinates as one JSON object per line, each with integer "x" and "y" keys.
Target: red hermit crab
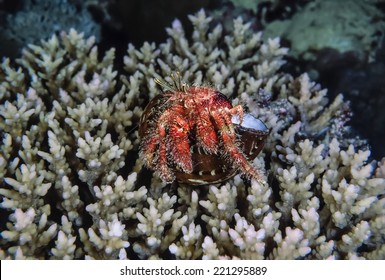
{"x": 194, "y": 134}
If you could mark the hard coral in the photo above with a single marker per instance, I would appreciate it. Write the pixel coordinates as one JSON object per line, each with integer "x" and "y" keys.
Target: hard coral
{"x": 327, "y": 24}
{"x": 72, "y": 184}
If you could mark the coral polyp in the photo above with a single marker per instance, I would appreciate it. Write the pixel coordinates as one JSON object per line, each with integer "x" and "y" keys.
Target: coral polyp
{"x": 194, "y": 134}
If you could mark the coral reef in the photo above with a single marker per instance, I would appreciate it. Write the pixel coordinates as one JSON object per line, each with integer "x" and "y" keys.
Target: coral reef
{"x": 73, "y": 187}
{"x": 39, "y": 19}
{"x": 349, "y": 26}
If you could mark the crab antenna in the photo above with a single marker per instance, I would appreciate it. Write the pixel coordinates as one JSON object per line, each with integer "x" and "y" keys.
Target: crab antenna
{"x": 165, "y": 85}
{"x": 175, "y": 77}
{"x": 176, "y": 83}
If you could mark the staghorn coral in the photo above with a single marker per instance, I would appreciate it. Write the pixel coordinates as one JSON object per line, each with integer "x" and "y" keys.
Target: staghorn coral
{"x": 72, "y": 185}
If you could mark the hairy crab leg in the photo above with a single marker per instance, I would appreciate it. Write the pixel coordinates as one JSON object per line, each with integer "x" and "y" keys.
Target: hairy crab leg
{"x": 229, "y": 141}
{"x": 179, "y": 144}
{"x": 161, "y": 166}
{"x": 148, "y": 149}
{"x": 237, "y": 110}
{"x": 206, "y": 134}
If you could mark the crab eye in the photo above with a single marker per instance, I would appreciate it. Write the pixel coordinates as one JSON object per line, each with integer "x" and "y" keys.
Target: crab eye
{"x": 220, "y": 98}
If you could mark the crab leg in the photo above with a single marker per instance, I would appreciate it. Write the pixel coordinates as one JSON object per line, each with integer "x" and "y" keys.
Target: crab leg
{"x": 161, "y": 166}
{"x": 148, "y": 148}
{"x": 179, "y": 144}
{"x": 164, "y": 171}
{"x": 237, "y": 110}
{"x": 206, "y": 135}
{"x": 226, "y": 129}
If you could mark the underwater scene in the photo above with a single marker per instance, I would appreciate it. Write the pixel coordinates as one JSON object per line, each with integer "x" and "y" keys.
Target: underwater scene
{"x": 190, "y": 130}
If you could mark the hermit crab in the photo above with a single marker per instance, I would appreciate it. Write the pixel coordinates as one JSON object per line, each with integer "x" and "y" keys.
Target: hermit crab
{"x": 194, "y": 135}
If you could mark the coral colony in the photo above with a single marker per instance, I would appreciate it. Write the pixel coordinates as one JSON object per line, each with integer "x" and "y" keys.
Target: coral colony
{"x": 73, "y": 185}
